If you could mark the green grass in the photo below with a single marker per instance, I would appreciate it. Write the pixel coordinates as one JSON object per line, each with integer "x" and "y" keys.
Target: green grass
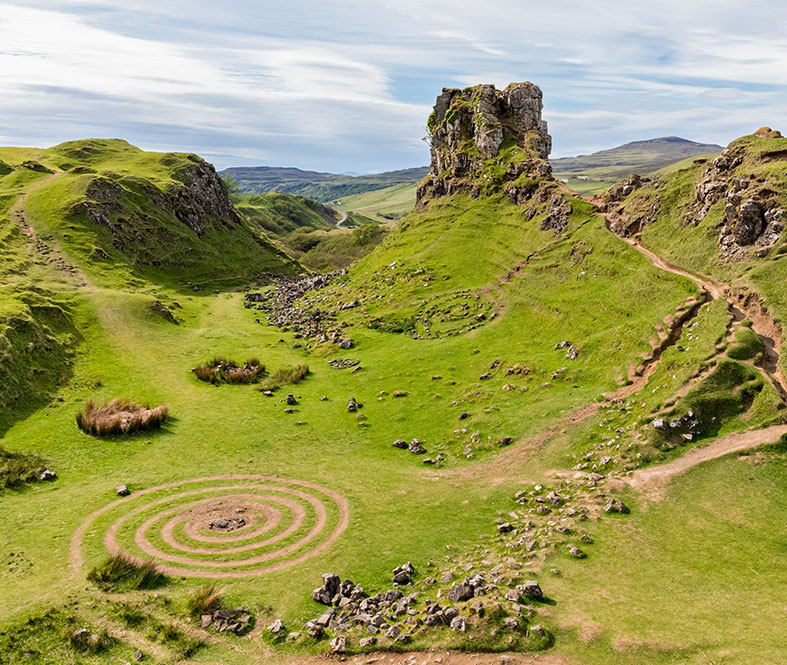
{"x": 280, "y": 213}
{"x": 18, "y": 468}
{"x": 382, "y": 205}
{"x": 724, "y": 551}
{"x": 748, "y": 346}
{"x": 585, "y": 286}
{"x": 118, "y": 572}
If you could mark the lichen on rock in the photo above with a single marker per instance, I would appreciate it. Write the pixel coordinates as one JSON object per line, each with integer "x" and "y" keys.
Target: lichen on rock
{"x": 484, "y": 140}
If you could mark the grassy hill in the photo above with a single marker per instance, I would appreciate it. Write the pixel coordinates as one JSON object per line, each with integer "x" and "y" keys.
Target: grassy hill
{"x": 120, "y": 211}
{"x": 381, "y": 205}
{"x": 321, "y": 187}
{"x": 517, "y": 331}
{"x": 594, "y": 173}
{"x": 280, "y": 213}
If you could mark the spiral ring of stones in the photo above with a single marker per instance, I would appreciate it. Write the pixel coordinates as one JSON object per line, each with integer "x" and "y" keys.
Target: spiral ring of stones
{"x": 221, "y": 526}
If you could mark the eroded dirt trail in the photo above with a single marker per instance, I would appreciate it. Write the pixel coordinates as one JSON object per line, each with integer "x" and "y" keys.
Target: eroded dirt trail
{"x": 740, "y": 307}
{"x": 653, "y": 480}
{"x": 48, "y": 252}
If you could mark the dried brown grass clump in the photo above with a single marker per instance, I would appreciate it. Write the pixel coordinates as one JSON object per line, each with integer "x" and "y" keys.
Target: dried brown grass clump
{"x": 204, "y": 600}
{"x": 120, "y": 416}
{"x": 221, "y": 370}
{"x": 284, "y": 376}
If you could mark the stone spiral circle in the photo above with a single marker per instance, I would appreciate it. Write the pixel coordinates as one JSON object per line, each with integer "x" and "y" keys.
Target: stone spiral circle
{"x": 218, "y": 526}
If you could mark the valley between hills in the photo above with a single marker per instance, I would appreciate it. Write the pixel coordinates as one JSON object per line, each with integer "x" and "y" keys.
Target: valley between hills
{"x": 537, "y": 418}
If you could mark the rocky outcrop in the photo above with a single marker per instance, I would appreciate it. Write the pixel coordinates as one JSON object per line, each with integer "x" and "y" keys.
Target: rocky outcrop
{"x": 745, "y": 202}
{"x": 484, "y": 140}
{"x": 753, "y": 215}
{"x": 199, "y": 200}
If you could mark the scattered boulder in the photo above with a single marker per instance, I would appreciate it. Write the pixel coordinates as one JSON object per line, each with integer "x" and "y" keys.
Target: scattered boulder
{"x": 416, "y": 447}
{"x": 460, "y": 592}
{"x": 339, "y": 644}
{"x": 403, "y": 574}
{"x": 615, "y": 506}
{"x": 122, "y": 490}
{"x": 531, "y": 589}
{"x": 47, "y": 474}
{"x": 236, "y": 620}
{"x": 277, "y": 627}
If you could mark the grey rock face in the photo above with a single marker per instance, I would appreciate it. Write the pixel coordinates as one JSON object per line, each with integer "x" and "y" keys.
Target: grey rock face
{"x": 750, "y": 223}
{"x": 470, "y": 126}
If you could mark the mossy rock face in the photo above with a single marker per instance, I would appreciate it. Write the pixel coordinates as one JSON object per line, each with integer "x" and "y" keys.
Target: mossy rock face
{"x": 482, "y": 139}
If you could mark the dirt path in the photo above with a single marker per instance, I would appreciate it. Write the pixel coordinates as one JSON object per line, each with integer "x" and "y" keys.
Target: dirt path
{"x": 341, "y": 221}
{"x": 766, "y": 329}
{"x": 739, "y": 306}
{"x": 49, "y": 252}
{"x": 653, "y": 480}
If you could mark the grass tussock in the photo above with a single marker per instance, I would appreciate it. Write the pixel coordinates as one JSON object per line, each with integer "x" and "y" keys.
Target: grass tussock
{"x": 204, "y": 600}
{"x": 120, "y": 416}
{"x": 221, "y": 370}
{"x": 284, "y": 376}
{"x": 17, "y": 469}
{"x": 119, "y": 572}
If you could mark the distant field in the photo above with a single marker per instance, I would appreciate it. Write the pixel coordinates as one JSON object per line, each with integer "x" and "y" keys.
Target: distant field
{"x": 382, "y": 205}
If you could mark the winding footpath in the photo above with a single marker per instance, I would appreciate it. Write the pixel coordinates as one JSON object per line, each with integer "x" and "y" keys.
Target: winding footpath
{"x": 654, "y": 479}
{"x": 49, "y": 253}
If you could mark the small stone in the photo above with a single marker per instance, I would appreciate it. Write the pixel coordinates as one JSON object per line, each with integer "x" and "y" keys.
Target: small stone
{"x": 46, "y": 474}
{"x": 122, "y": 490}
{"x": 137, "y": 655}
{"x": 339, "y": 644}
{"x": 458, "y": 624}
{"x": 276, "y": 627}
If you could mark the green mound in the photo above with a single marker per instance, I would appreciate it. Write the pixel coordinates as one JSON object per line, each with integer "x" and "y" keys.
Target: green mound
{"x": 283, "y": 213}
{"x": 122, "y": 212}
{"x": 37, "y": 340}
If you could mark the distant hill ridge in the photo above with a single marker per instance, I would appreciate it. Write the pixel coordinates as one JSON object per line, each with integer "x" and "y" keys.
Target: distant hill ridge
{"x": 317, "y": 185}
{"x": 597, "y": 171}
{"x": 651, "y": 153}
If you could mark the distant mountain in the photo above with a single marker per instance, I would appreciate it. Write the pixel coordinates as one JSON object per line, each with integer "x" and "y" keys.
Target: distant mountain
{"x": 316, "y": 185}
{"x": 603, "y": 168}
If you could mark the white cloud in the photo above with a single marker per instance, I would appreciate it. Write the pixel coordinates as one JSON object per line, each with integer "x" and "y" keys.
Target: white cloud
{"x": 347, "y": 84}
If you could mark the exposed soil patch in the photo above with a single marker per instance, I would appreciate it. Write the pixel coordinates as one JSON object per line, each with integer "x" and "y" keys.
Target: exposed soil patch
{"x": 653, "y": 481}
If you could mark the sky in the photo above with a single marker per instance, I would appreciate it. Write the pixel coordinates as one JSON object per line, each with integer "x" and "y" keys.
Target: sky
{"x": 347, "y": 86}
